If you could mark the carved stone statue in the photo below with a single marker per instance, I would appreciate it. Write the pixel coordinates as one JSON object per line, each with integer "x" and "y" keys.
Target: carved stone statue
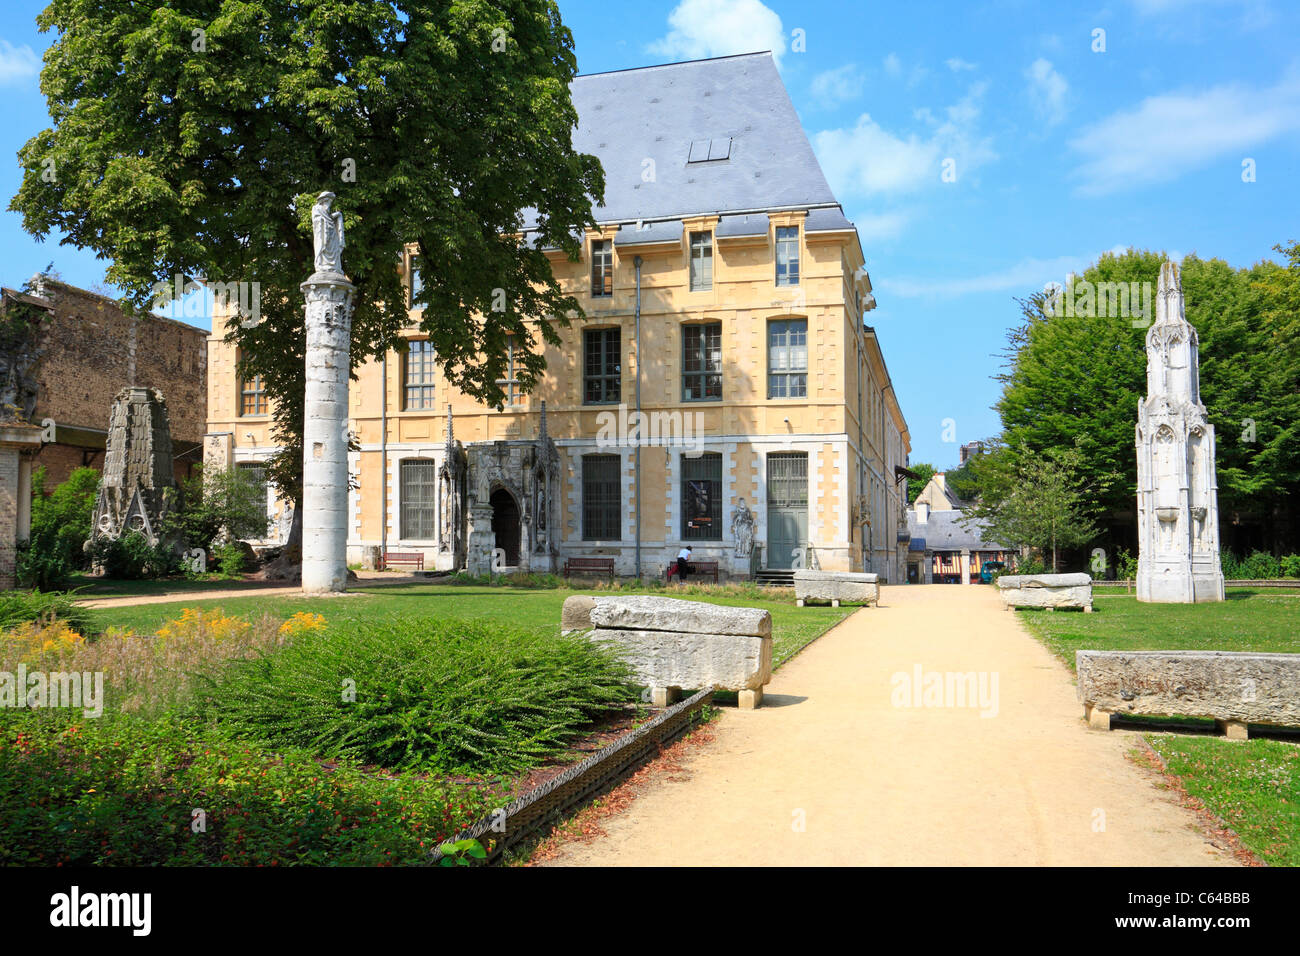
{"x": 327, "y": 235}
{"x": 742, "y": 529}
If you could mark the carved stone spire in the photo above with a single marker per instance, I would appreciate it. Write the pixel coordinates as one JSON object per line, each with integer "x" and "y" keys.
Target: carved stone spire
{"x": 1177, "y": 500}
{"x": 541, "y": 434}
{"x": 451, "y": 434}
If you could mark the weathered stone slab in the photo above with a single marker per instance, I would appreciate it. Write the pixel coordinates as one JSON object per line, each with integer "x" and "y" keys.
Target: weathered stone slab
{"x": 667, "y": 659}
{"x": 853, "y": 587}
{"x": 1046, "y": 590}
{"x": 649, "y": 613}
{"x": 1226, "y": 685}
{"x": 1044, "y": 580}
{"x": 576, "y": 613}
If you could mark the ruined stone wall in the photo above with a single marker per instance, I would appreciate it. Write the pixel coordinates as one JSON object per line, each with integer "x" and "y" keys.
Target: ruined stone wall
{"x": 92, "y": 350}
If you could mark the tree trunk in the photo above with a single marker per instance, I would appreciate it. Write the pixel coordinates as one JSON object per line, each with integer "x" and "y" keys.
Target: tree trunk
{"x": 288, "y": 566}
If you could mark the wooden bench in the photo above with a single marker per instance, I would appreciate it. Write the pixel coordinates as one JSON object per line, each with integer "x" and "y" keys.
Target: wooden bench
{"x": 415, "y": 559}
{"x": 697, "y": 569}
{"x": 590, "y": 565}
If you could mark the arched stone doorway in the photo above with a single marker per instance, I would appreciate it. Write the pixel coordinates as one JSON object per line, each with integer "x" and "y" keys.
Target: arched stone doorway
{"x": 505, "y": 524}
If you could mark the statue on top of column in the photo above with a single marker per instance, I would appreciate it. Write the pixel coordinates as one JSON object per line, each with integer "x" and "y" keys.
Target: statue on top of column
{"x": 327, "y": 235}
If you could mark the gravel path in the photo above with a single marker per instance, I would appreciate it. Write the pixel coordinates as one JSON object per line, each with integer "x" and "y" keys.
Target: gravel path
{"x": 876, "y": 783}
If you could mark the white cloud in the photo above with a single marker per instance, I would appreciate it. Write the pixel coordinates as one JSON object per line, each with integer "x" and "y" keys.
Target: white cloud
{"x": 838, "y": 85}
{"x": 893, "y": 65}
{"x": 1027, "y": 275}
{"x": 1171, "y": 134}
{"x": 957, "y": 64}
{"x": 704, "y": 28}
{"x": 881, "y": 226}
{"x": 1047, "y": 90}
{"x": 17, "y": 63}
{"x": 866, "y": 159}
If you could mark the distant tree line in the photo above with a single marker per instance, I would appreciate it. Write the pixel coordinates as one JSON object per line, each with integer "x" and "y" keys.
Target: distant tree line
{"x": 1071, "y": 385}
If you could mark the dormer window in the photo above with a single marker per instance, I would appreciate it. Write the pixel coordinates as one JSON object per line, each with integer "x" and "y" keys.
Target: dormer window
{"x": 602, "y": 267}
{"x": 701, "y": 261}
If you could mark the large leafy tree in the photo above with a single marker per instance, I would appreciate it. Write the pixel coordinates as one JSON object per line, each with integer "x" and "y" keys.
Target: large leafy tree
{"x": 191, "y": 139}
{"x": 1041, "y": 503}
{"x": 1076, "y": 380}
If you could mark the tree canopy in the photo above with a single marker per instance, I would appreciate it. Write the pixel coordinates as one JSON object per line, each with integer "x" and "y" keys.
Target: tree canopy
{"x": 191, "y": 140}
{"x": 1075, "y": 380}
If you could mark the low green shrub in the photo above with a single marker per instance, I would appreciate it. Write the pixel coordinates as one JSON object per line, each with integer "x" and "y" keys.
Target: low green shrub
{"x": 126, "y": 791}
{"x": 32, "y": 607}
{"x": 230, "y": 558}
{"x": 131, "y": 557}
{"x": 1258, "y": 565}
{"x": 1291, "y": 566}
{"x": 60, "y": 525}
{"x": 446, "y": 696}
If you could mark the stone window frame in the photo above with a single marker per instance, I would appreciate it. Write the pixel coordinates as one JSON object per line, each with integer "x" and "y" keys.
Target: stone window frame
{"x": 700, "y": 266}
{"x": 416, "y": 281}
{"x": 691, "y": 468}
{"x": 422, "y": 389}
{"x": 258, "y": 469}
{"x": 408, "y": 503}
{"x": 608, "y": 509}
{"x": 602, "y": 268}
{"x": 610, "y": 383}
{"x": 788, "y": 374}
{"x": 254, "y": 389}
{"x": 699, "y": 377}
{"x": 786, "y": 255}
{"x": 510, "y": 384}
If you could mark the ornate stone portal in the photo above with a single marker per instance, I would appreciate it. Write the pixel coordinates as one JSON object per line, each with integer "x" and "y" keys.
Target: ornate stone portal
{"x": 512, "y": 499}
{"x": 1177, "y": 492}
{"x": 325, "y": 431}
{"x": 138, "y": 485}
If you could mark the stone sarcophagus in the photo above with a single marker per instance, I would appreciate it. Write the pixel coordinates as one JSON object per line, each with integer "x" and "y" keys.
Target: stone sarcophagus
{"x": 673, "y": 644}
{"x": 1235, "y": 688}
{"x": 1048, "y": 591}
{"x": 836, "y": 587}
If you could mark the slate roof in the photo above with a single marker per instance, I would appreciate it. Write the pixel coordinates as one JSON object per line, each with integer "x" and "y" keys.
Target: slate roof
{"x": 735, "y": 106}
{"x": 943, "y": 533}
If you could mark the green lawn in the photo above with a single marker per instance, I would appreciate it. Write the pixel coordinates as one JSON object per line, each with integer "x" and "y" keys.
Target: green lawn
{"x": 793, "y": 628}
{"x": 1249, "y": 620}
{"x": 1254, "y": 786}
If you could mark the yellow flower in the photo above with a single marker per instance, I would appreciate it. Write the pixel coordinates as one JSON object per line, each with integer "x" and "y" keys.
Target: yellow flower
{"x": 303, "y": 622}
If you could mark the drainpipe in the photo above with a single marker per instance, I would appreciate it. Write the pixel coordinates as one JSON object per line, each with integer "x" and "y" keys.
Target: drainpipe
{"x": 636, "y": 260}
{"x": 383, "y": 457}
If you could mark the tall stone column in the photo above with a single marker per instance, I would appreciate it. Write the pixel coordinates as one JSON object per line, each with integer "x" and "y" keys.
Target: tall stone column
{"x": 325, "y": 434}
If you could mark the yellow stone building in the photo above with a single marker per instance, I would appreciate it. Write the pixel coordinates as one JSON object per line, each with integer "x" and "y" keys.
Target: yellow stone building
{"x": 725, "y": 296}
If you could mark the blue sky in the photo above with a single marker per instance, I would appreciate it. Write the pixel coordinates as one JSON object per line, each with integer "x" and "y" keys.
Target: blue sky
{"x": 1065, "y": 143}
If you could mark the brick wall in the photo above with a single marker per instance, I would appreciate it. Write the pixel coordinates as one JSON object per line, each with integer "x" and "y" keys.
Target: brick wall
{"x": 91, "y": 350}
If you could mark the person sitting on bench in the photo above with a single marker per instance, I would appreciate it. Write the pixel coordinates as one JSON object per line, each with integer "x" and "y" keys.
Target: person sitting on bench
{"x": 683, "y": 568}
